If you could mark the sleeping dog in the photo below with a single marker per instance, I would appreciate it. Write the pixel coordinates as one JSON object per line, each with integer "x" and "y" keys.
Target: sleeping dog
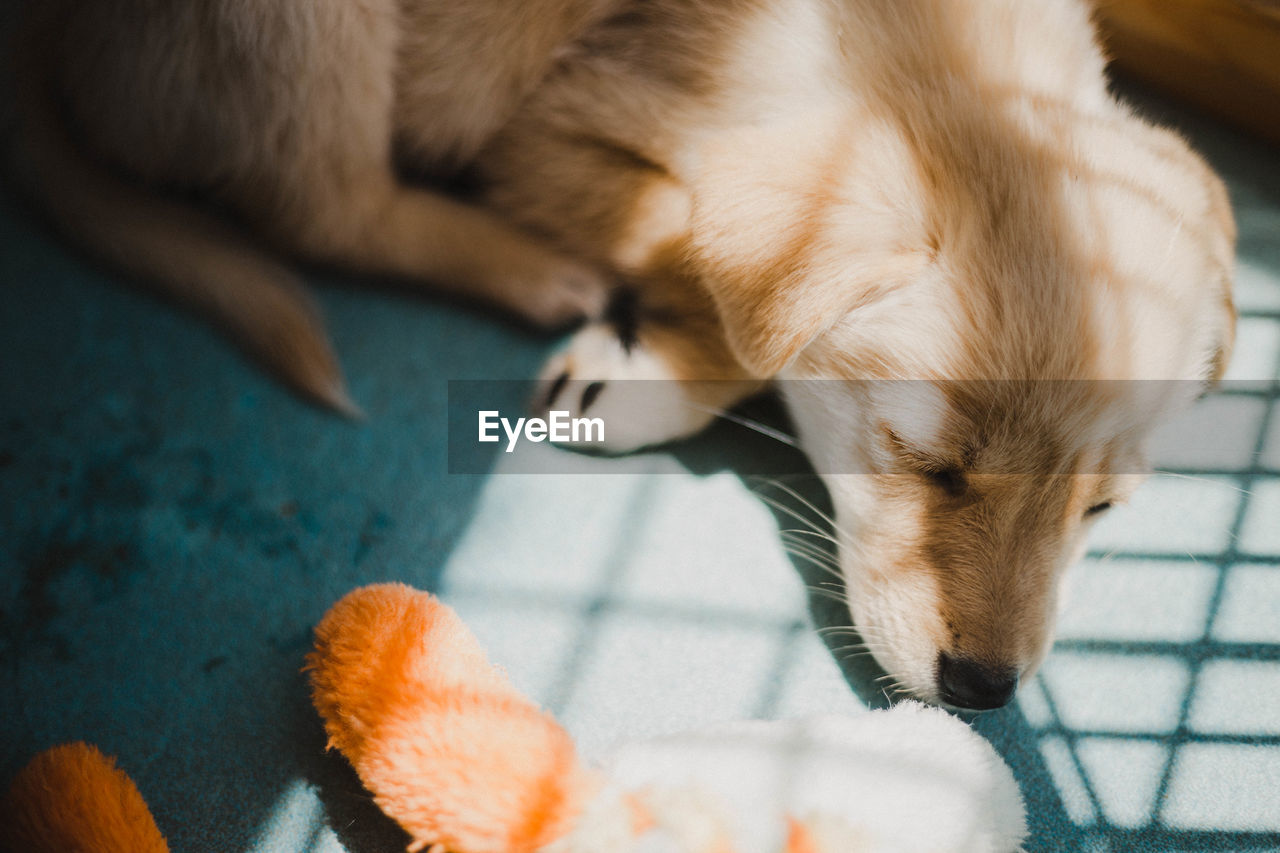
{"x": 847, "y": 195}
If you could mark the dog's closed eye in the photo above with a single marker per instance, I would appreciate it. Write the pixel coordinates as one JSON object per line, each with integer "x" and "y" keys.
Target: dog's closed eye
{"x": 939, "y": 471}
{"x": 950, "y": 480}
{"x": 1097, "y": 509}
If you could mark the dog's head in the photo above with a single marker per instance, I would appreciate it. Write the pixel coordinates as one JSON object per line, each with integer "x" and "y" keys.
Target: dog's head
{"x": 977, "y": 336}
{"x": 959, "y": 505}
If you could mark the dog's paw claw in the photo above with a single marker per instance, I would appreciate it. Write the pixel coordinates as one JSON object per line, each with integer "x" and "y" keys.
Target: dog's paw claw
{"x": 557, "y": 386}
{"x": 631, "y": 390}
{"x": 589, "y": 395}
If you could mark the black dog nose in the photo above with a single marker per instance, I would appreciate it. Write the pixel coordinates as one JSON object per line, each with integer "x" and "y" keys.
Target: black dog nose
{"x": 968, "y": 684}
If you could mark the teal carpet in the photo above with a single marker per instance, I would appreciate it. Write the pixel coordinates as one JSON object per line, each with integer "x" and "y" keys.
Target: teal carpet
{"x": 173, "y": 524}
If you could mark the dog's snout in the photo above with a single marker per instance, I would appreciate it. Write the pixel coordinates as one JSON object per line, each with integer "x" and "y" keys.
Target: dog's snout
{"x": 968, "y": 684}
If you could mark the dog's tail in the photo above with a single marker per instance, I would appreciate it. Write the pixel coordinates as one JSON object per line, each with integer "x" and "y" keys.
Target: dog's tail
{"x": 180, "y": 251}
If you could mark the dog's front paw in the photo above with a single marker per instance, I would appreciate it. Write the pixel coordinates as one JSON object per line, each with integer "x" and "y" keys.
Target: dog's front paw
{"x": 630, "y": 392}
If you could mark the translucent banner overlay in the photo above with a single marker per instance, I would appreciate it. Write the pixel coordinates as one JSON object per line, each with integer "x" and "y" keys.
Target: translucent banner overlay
{"x": 1041, "y": 428}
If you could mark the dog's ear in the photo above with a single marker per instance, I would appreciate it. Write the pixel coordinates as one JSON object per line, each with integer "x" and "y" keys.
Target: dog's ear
{"x": 771, "y": 315}
{"x": 789, "y": 246}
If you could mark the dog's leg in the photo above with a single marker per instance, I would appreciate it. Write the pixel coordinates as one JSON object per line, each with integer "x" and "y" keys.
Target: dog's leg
{"x": 460, "y": 71}
{"x": 327, "y": 189}
{"x": 659, "y": 367}
{"x": 374, "y": 224}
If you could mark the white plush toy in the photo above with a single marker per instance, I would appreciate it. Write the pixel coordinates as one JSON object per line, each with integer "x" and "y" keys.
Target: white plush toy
{"x": 911, "y": 778}
{"x": 467, "y": 764}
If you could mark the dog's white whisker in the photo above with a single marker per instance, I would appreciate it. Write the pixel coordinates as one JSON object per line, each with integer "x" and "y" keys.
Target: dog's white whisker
{"x": 797, "y": 538}
{"x": 1214, "y": 480}
{"x": 855, "y": 656}
{"x": 1109, "y": 556}
{"x": 829, "y": 520}
{"x": 815, "y": 563}
{"x": 783, "y": 508}
{"x": 831, "y": 594}
{"x": 826, "y": 593}
{"x": 755, "y": 426}
{"x": 816, "y": 534}
{"x": 869, "y": 634}
{"x": 817, "y": 555}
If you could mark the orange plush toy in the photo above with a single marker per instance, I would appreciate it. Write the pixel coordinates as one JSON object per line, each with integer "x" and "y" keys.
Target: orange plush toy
{"x": 72, "y": 799}
{"x": 445, "y": 743}
{"x": 466, "y": 764}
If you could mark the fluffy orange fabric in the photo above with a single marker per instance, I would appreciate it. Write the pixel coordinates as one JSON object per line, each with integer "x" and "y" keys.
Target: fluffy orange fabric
{"x": 72, "y": 799}
{"x": 799, "y": 838}
{"x": 439, "y": 736}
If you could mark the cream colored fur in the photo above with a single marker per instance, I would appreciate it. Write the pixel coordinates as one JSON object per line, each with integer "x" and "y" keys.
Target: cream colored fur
{"x": 939, "y": 190}
{"x": 286, "y": 116}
